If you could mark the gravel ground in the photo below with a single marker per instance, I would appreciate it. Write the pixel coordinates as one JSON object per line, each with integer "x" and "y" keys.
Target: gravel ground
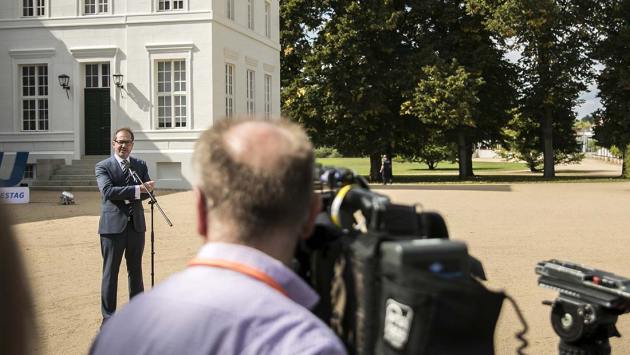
{"x": 508, "y": 227}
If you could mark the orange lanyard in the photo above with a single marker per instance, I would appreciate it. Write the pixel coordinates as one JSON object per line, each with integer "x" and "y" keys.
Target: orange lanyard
{"x": 238, "y": 267}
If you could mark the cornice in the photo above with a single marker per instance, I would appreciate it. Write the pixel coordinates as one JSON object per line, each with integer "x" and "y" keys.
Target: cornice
{"x": 92, "y": 52}
{"x": 32, "y": 53}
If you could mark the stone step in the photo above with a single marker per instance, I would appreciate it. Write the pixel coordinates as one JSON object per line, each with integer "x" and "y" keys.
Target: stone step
{"x": 86, "y": 169}
{"x": 84, "y": 172}
{"x": 95, "y": 157}
{"x": 89, "y": 161}
{"x": 77, "y": 167}
{"x": 73, "y": 177}
{"x": 64, "y": 188}
{"x": 65, "y": 183}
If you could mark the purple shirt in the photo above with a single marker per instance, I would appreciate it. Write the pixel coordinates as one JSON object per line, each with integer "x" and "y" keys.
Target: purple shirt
{"x": 210, "y": 310}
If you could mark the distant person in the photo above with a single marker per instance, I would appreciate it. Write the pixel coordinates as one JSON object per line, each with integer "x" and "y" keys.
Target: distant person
{"x": 386, "y": 170}
{"x": 254, "y": 201}
{"x": 122, "y": 224}
{"x": 17, "y": 324}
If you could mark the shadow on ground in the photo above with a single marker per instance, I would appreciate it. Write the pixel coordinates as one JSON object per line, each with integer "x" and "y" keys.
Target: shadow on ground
{"x": 498, "y": 179}
{"x": 87, "y": 203}
{"x": 443, "y": 187}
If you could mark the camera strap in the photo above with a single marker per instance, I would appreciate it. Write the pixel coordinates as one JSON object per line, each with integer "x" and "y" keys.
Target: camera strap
{"x": 239, "y": 267}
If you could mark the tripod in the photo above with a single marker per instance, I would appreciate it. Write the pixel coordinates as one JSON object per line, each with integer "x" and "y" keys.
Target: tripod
{"x": 584, "y": 328}
{"x": 152, "y": 203}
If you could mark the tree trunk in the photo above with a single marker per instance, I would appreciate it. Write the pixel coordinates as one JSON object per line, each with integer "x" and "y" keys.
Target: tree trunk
{"x": 375, "y": 167}
{"x": 461, "y": 154}
{"x": 469, "y": 163}
{"x": 549, "y": 169}
{"x": 625, "y": 168}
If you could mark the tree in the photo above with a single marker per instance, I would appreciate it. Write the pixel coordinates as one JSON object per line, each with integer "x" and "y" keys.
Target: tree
{"x": 446, "y": 33}
{"x": 525, "y": 142}
{"x": 553, "y": 38}
{"x": 347, "y": 93}
{"x": 587, "y": 119}
{"x": 436, "y": 148}
{"x": 447, "y": 97}
{"x": 612, "y": 122}
{"x": 361, "y": 60}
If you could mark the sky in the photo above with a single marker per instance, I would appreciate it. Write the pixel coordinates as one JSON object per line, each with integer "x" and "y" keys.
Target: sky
{"x": 591, "y": 102}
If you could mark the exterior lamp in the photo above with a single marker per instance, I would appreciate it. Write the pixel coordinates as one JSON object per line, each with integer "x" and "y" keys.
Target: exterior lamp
{"x": 63, "y": 81}
{"x": 118, "y": 81}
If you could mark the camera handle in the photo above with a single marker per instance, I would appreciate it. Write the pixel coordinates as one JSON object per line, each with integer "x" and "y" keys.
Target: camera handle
{"x": 584, "y": 328}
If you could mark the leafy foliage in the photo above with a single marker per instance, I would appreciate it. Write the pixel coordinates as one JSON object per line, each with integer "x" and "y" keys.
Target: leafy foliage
{"x": 446, "y": 97}
{"x": 612, "y": 122}
{"x": 327, "y": 152}
{"x": 348, "y": 66}
{"x": 553, "y": 38}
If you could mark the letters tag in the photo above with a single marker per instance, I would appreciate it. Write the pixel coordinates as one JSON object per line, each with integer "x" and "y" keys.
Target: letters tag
{"x": 14, "y": 195}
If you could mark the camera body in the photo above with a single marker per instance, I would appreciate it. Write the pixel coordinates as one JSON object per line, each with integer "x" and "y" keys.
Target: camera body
{"x": 390, "y": 279}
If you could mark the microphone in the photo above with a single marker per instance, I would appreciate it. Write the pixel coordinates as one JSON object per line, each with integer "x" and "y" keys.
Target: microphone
{"x": 131, "y": 171}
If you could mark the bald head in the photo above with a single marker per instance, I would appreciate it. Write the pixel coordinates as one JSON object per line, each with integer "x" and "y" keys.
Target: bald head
{"x": 254, "y": 174}
{"x": 258, "y": 144}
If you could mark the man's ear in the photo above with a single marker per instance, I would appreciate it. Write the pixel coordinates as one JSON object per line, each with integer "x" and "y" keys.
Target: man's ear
{"x": 202, "y": 214}
{"x": 316, "y": 208}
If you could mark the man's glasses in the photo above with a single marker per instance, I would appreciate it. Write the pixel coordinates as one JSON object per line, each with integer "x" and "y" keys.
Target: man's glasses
{"x": 124, "y": 142}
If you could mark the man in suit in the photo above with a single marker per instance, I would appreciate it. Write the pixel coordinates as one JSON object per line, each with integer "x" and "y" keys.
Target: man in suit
{"x": 254, "y": 201}
{"x": 122, "y": 224}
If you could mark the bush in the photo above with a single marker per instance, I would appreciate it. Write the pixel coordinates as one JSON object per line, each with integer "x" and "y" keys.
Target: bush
{"x": 616, "y": 151}
{"x": 326, "y": 152}
{"x": 335, "y": 154}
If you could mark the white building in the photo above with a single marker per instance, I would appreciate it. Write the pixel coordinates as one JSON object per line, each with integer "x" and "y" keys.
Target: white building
{"x": 184, "y": 64}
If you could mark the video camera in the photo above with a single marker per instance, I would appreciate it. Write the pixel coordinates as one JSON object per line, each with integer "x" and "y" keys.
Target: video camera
{"x": 389, "y": 278}
{"x": 585, "y": 312}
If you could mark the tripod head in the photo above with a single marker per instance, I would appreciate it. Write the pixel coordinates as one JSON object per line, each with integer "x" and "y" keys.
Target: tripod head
{"x": 586, "y": 311}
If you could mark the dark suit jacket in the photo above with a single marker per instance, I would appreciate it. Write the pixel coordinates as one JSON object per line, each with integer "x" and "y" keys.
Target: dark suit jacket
{"x": 114, "y": 192}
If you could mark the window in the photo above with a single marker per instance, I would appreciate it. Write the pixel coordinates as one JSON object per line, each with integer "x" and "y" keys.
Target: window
{"x": 92, "y": 78}
{"x": 267, "y": 96}
{"x": 229, "y": 90}
{"x": 229, "y": 9}
{"x": 250, "y": 14}
{"x": 268, "y": 20}
{"x": 33, "y": 8}
{"x": 34, "y": 97}
{"x": 168, "y": 5}
{"x": 171, "y": 93}
{"x": 250, "y": 93}
{"x": 30, "y": 171}
{"x": 93, "y": 7}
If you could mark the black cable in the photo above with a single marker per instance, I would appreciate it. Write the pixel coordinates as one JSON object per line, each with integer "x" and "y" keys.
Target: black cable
{"x": 520, "y": 335}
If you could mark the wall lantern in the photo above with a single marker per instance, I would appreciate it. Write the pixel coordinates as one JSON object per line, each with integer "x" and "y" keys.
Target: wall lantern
{"x": 64, "y": 81}
{"x": 118, "y": 80}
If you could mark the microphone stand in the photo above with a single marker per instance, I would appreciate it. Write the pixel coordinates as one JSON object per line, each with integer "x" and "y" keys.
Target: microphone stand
{"x": 152, "y": 202}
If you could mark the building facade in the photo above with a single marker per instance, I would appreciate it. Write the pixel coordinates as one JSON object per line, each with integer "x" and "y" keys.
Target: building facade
{"x": 180, "y": 65}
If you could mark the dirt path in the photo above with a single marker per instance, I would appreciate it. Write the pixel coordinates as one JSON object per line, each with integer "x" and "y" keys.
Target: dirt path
{"x": 508, "y": 227}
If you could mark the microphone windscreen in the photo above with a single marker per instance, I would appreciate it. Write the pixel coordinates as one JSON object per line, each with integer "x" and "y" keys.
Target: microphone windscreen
{"x": 128, "y": 166}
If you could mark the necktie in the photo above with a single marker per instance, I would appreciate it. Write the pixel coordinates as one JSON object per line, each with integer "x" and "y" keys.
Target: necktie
{"x": 128, "y": 179}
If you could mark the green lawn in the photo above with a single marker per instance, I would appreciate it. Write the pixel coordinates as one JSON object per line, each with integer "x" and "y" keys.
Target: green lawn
{"x": 446, "y": 173}
{"x": 362, "y": 166}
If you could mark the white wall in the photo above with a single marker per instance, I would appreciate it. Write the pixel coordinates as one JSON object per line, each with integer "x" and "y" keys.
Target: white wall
{"x": 131, "y": 37}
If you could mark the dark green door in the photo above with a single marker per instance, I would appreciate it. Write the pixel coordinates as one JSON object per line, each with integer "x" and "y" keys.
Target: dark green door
{"x": 97, "y": 122}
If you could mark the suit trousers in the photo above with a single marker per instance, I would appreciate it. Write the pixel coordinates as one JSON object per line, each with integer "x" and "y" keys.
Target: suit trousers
{"x": 131, "y": 243}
